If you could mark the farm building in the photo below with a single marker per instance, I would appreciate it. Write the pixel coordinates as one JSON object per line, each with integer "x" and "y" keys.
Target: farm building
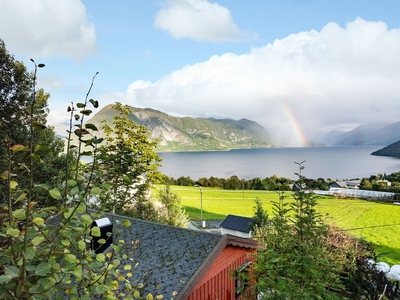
{"x": 181, "y": 263}
{"x": 360, "y": 194}
{"x": 236, "y": 225}
{"x": 355, "y": 184}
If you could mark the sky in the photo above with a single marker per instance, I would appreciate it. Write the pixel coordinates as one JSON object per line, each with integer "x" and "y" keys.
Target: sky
{"x": 300, "y": 68}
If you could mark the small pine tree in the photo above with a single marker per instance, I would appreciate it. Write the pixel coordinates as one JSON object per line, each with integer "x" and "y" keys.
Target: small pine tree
{"x": 292, "y": 262}
{"x": 260, "y": 218}
{"x": 174, "y": 215}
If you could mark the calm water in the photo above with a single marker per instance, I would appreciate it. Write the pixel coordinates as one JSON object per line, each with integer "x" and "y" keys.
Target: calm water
{"x": 325, "y": 162}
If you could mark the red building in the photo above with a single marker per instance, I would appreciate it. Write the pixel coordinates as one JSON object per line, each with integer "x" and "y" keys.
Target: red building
{"x": 181, "y": 263}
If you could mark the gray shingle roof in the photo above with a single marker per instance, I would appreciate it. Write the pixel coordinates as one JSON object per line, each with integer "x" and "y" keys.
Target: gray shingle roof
{"x": 170, "y": 260}
{"x": 168, "y": 257}
{"x": 237, "y": 223}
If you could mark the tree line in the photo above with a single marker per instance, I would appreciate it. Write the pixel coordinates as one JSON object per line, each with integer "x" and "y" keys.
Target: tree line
{"x": 273, "y": 183}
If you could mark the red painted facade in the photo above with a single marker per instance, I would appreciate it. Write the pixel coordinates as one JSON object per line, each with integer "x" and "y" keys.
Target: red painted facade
{"x": 218, "y": 283}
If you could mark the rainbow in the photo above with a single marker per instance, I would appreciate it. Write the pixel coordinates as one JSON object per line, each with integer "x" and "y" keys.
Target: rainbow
{"x": 295, "y": 125}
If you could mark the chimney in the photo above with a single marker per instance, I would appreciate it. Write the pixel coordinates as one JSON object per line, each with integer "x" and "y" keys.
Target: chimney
{"x": 105, "y": 227}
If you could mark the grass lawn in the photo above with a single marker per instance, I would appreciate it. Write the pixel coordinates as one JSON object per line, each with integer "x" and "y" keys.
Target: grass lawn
{"x": 378, "y": 223}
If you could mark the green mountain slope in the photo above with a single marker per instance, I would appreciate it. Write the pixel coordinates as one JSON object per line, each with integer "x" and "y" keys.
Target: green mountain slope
{"x": 190, "y": 134}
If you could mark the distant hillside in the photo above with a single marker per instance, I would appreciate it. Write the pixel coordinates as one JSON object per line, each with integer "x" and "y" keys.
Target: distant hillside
{"x": 393, "y": 150}
{"x": 195, "y": 134}
{"x": 365, "y": 135}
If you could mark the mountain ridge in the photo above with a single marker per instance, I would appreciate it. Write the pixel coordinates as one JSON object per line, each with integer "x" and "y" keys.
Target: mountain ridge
{"x": 365, "y": 135}
{"x": 194, "y": 134}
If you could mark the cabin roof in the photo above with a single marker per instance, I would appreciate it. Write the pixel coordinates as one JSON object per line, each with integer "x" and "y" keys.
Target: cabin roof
{"x": 238, "y": 223}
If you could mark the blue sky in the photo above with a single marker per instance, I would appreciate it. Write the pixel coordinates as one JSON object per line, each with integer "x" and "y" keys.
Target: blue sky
{"x": 300, "y": 68}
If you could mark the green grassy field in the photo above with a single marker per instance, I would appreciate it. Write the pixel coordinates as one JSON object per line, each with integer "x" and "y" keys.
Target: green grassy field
{"x": 376, "y": 222}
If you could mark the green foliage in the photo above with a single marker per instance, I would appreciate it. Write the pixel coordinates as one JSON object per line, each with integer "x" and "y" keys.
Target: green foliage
{"x": 22, "y": 107}
{"x": 173, "y": 213}
{"x": 293, "y": 263}
{"x": 45, "y": 251}
{"x": 260, "y": 217}
{"x": 128, "y": 161}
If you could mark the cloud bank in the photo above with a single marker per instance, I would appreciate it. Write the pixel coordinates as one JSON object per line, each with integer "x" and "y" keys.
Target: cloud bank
{"x": 307, "y": 82}
{"x": 47, "y": 28}
{"x": 199, "y": 20}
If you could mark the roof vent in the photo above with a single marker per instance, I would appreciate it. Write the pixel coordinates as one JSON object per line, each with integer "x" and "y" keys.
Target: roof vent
{"x": 105, "y": 227}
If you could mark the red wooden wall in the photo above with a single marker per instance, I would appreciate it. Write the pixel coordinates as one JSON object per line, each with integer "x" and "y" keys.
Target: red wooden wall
{"x": 218, "y": 282}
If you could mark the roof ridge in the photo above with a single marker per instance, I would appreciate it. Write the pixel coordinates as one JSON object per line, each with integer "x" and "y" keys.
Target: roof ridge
{"x": 159, "y": 224}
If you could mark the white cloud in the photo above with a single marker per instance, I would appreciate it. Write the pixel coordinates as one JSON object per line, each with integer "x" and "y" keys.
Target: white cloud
{"x": 47, "y": 28}
{"x": 199, "y": 20}
{"x": 337, "y": 76}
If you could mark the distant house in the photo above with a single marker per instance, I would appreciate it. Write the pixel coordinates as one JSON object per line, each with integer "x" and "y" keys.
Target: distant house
{"x": 346, "y": 184}
{"x": 181, "y": 263}
{"x": 236, "y": 225}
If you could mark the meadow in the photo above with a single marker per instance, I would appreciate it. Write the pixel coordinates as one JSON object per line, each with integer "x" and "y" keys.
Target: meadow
{"x": 377, "y": 223}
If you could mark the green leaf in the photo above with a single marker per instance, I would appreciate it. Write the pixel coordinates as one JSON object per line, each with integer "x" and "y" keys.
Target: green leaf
{"x": 81, "y": 245}
{"x": 86, "y": 219}
{"x": 21, "y": 197}
{"x": 65, "y": 243}
{"x": 71, "y": 258}
{"x": 38, "y": 221}
{"x": 49, "y": 208}
{"x": 127, "y": 180}
{"x": 87, "y": 153}
{"x": 68, "y": 213}
{"x": 95, "y": 191}
{"x": 43, "y": 148}
{"x": 95, "y": 103}
{"x": 37, "y": 240}
{"x": 55, "y": 193}
{"x": 97, "y": 141}
{"x": 13, "y": 271}
{"x": 30, "y": 253}
{"x": 19, "y": 214}
{"x": 14, "y": 232}
{"x": 80, "y": 105}
{"x": 149, "y": 297}
{"x": 96, "y": 231}
{"x": 5, "y": 279}
{"x": 42, "y": 186}
{"x": 38, "y": 125}
{"x": 106, "y": 186}
{"x": 69, "y": 109}
{"x": 36, "y": 158}
{"x": 100, "y": 257}
{"x": 13, "y": 184}
{"x": 71, "y": 183}
{"x": 126, "y": 223}
{"x": 74, "y": 191}
{"x": 81, "y": 208}
{"x": 100, "y": 289}
{"x": 86, "y": 112}
{"x": 101, "y": 241}
{"x": 91, "y": 126}
{"x": 43, "y": 269}
{"x": 77, "y": 117}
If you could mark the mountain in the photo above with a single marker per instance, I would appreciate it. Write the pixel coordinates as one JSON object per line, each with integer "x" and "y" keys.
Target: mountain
{"x": 393, "y": 150}
{"x": 365, "y": 135}
{"x": 195, "y": 134}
